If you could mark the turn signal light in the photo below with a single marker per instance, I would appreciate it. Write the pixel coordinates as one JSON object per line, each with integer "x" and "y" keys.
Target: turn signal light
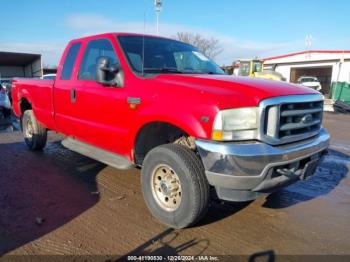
{"x": 217, "y": 135}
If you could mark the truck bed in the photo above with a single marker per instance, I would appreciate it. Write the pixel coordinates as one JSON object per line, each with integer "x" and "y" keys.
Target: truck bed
{"x": 40, "y": 93}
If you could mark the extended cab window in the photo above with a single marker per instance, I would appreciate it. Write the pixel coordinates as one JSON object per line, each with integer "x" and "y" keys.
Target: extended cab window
{"x": 69, "y": 61}
{"x": 93, "y": 52}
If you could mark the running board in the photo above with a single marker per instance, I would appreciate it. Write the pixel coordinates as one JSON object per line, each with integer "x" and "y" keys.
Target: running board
{"x": 98, "y": 154}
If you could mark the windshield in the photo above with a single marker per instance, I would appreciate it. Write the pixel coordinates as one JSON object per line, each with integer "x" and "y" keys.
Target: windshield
{"x": 165, "y": 56}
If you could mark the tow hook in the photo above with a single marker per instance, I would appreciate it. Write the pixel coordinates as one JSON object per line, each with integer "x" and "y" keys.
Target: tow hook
{"x": 286, "y": 172}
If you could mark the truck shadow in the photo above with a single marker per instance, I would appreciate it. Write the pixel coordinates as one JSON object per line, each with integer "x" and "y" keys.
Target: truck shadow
{"x": 42, "y": 191}
{"x": 219, "y": 210}
{"x": 164, "y": 244}
{"x": 332, "y": 170}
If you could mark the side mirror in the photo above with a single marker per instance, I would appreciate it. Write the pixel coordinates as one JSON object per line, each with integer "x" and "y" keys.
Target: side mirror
{"x": 107, "y": 74}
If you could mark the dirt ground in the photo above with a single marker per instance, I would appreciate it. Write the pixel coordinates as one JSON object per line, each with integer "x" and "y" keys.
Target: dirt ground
{"x": 59, "y": 202}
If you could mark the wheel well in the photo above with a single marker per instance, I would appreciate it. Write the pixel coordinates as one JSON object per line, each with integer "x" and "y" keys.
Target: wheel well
{"x": 25, "y": 105}
{"x": 153, "y": 135}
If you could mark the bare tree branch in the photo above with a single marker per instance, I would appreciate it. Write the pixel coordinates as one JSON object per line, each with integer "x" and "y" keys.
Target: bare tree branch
{"x": 209, "y": 46}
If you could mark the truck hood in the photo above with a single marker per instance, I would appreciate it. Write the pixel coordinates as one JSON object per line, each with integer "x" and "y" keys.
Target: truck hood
{"x": 226, "y": 90}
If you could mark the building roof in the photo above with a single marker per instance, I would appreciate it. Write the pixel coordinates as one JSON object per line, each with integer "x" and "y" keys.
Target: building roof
{"x": 309, "y": 52}
{"x": 17, "y": 59}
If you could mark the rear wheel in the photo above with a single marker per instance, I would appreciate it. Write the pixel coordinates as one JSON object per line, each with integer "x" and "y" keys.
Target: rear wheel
{"x": 35, "y": 135}
{"x": 174, "y": 185}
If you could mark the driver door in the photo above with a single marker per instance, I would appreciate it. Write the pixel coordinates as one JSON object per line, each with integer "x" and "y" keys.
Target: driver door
{"x": 99, "y": 109}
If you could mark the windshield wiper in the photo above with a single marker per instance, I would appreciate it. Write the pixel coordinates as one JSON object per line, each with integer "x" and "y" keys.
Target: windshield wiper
{"x": 162, "y": 70}
{"x": 174, "y": 70}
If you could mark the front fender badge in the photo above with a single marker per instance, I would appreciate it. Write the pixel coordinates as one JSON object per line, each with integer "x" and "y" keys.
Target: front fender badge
{"x": 204, "y": 119}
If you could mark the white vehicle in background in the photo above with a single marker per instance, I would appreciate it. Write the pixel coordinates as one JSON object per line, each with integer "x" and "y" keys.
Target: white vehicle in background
{"x": 310, "y": 81}
{"x": 49, "y": 77}
{"x": 5, "y": 103}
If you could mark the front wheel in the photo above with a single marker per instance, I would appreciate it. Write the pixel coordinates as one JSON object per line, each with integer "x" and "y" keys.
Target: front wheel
{"x": 174, "y": 185}
{"x": 35, "y": 135}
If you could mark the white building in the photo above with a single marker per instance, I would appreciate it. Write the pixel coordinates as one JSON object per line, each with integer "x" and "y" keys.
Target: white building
{"x": 327, "y": 66}
{"x": 19, "y": 65}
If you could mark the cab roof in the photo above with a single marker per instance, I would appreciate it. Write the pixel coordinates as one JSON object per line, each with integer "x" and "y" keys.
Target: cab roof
{"x": 113, "y": 34}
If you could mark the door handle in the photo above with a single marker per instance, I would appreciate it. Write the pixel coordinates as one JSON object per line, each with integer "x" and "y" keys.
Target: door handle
{"x": 73, "y": 95}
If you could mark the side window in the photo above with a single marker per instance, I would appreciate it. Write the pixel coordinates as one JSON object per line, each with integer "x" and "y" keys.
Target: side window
{"x": 94, "y": 50}
{"x": 69, "y": 61}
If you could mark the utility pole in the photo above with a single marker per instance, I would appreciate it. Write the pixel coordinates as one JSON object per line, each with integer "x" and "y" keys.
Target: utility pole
{"x": 308, "y": 43}
{"x": 158, "y": 7}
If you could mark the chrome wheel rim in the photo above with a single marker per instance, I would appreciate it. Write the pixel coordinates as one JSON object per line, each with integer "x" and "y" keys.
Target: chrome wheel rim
{"x": 29, "y": 131}
{"x": 166, "y": 187}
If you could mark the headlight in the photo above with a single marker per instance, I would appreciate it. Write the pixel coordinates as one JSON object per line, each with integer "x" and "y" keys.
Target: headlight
{"x": 236, "y": 124}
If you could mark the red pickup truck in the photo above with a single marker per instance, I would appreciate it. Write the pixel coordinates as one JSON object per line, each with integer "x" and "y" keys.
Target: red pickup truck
{"x": 132, "y": 100}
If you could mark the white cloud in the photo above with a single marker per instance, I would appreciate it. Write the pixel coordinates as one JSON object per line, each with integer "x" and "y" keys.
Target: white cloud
{"x": 78, "y": 25}
{"x": 87, "y": 24}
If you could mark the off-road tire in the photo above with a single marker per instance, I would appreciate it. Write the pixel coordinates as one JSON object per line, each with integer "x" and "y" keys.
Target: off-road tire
{"x": 35, "y": 135}
{"x": 194, "y": 185}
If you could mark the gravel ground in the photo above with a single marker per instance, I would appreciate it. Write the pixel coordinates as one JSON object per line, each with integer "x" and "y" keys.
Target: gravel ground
{"x": 57, "y": 202}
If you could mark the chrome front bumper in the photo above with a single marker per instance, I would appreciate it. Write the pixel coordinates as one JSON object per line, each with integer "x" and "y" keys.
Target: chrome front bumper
{"x": 252, "y": 166}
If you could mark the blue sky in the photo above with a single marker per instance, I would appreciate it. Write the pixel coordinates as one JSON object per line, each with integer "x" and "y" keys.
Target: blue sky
{"x": 245, "y": 28}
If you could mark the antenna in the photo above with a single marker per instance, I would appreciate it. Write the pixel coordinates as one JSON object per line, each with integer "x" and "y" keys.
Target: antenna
{"x": 158, "y": 8}
{"x": 143, "y": 37}
{"x": 308, "y": 44}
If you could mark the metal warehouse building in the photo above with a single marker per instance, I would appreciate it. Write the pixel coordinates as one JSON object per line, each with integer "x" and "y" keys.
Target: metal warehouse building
{"x": 327, "y": 66}
{"x": 19, "y": 65}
